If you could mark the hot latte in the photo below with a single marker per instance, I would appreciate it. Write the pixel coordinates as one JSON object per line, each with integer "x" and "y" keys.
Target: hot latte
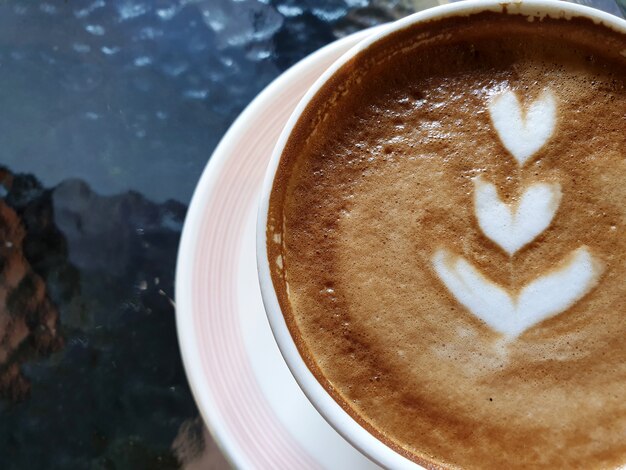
{"x": 447, "y": 232}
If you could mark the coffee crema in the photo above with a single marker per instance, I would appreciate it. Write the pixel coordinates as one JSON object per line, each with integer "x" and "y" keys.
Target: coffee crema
{"x": 447, "y": 241}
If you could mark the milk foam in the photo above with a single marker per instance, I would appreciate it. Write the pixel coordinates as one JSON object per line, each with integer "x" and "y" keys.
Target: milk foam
{"x": 523, "y": 134}
{"x": 509, "y": 226}
{"x": 512, "y": 314}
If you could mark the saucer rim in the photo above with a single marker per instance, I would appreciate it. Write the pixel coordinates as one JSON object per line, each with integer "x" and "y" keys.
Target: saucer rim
{"x": 191, "y": 233}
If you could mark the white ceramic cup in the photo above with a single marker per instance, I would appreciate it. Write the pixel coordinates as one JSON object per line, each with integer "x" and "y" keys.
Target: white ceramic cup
{"x": 338, "y": 418}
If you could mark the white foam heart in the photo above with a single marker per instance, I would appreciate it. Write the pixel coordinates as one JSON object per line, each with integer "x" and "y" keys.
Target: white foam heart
{"x": 523, "y": 134}
{"x": 511, "y": 315}
{"x": 513, "y": 226}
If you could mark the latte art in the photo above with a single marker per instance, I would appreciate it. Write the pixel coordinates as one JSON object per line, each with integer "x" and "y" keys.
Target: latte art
{"x": 523, "y": 134}
{"x": 448, "y": 226}
{"x": 512, "y": 228}
{"x": 511, "y": 315}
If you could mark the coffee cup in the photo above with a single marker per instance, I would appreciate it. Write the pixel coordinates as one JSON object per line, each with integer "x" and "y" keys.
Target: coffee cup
{"x": 483, "y": 306}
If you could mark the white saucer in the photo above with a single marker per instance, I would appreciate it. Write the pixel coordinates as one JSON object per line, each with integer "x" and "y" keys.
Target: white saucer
{"x": 245, "y": 392}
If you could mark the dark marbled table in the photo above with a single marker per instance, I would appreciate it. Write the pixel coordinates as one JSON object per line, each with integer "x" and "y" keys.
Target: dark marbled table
{"x": 109, "y": 111}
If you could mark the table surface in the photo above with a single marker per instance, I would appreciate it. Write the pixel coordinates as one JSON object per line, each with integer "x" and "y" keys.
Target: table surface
{"x": 110, "y": 111}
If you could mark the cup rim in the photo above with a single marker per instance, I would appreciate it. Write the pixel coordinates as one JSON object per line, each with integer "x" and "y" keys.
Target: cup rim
{"x": 331, "y": 411}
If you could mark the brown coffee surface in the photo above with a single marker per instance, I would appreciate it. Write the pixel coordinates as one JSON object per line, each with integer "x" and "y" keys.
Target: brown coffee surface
{"x": 380, "y": 173}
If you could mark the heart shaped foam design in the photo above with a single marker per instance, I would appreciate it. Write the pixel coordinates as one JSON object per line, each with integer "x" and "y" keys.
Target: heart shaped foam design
{"x": 523, "y": 135}
{"x": 513, "y": 227}
{"x": 539, "y": 300}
